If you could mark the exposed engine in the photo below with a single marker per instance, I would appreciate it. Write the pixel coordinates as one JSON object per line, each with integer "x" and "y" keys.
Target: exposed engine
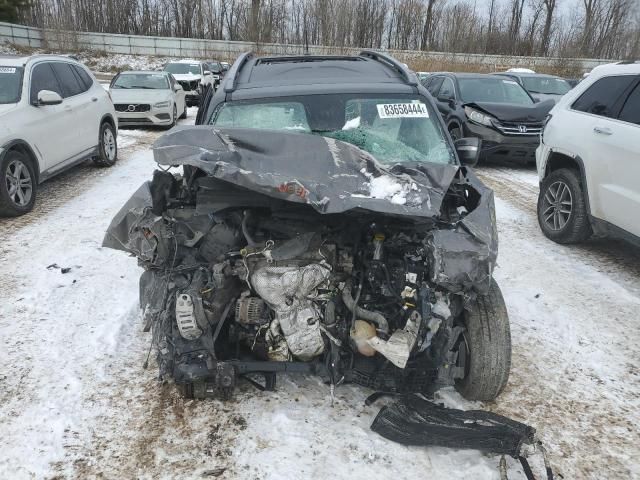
{"x": 238, "y": 282}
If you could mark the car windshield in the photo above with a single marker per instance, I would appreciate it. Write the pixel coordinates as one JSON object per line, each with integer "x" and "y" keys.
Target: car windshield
{"x": 546, "y": 85}
{"x": 10, "y": 84}
{"x": 492, "y": 90}
{"x": 183, "y": 68}
{"x": 151, "y": 81}
{"x": 394, "y": 129}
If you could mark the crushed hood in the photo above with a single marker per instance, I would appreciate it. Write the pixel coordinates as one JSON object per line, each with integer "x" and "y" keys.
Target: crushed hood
{"x": 508, "y": 112}
{"x": 327, "y": 174}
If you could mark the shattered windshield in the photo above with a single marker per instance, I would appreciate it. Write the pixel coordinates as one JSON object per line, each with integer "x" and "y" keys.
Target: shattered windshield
{"x": 183, "y": 68}
{"x": 546, "y": 85}
{"x": 150, "y": 81}
{"x": 394, "y": 129}
{"x": 10, "y": 84}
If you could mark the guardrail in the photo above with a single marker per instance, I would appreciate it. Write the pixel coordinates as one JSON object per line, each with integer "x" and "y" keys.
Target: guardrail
{"x": 58, "y": 40}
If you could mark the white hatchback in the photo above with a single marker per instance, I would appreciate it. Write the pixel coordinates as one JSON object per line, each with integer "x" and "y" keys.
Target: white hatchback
{"x": 53, "y": 115}
{"x": 589, "y": 158}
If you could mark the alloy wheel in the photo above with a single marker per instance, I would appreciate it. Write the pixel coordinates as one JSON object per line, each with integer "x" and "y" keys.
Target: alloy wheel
{"x": 19, "y": 183}
{"x": 557, "y": 205}
{"x": 109, "y": 143}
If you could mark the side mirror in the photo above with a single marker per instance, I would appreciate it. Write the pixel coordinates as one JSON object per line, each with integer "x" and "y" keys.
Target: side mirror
{"x": 468, "y": 150}
{"x": 47, "y": 97}
{"x": 207, "y": 72}
{"x": 448, "y": 100}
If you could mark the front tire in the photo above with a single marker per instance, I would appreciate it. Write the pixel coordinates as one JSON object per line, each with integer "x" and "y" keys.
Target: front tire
{"x": 562, "y": 208}
{"x": 18, "y": 185}
{"x": 184, "y": 113}
{"x": 487, "y": 344}
{"x": 107, "y": 146}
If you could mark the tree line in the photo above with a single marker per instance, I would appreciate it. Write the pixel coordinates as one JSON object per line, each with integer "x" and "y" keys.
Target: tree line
{"x": 563, "y": 28}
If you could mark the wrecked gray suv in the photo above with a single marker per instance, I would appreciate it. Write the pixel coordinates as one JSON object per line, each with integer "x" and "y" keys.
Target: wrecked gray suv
{"x": 318, "y": 224}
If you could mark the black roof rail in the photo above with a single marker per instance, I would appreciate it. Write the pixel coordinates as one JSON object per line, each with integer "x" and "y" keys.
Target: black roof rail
{"x": 410, "y": 77}
{"x": 234, "y": 71}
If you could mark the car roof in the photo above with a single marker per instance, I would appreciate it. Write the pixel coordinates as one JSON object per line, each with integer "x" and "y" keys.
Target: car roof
{"x": 616, "y": 68}
{"x": 255, "y": 77}
{"x": 23, "y": 59}
{"x": 185, "y": 60}
{"x": 526, "y": 75}
{"x": 154, "y": 72}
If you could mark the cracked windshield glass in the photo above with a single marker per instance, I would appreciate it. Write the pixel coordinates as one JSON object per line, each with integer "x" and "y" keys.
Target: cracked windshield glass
{"x": 392, "y": 129}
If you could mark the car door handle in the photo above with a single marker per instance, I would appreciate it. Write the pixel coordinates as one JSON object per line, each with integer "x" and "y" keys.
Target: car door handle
{"x": 94, "y": 99}
{"x": 602, "y": 130}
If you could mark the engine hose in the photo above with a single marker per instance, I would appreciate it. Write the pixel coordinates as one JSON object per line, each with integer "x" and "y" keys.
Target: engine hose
{"x": 245, "y": 230}
{"x": 374, "y": 317}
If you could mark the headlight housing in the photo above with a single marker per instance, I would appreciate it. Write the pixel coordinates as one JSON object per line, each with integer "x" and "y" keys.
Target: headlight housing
{"x": 161, "y": 105}
{"x": 478, "y": 117}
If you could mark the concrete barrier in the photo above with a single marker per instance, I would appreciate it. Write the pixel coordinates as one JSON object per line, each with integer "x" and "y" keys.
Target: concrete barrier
{"x": 57, "y": 40}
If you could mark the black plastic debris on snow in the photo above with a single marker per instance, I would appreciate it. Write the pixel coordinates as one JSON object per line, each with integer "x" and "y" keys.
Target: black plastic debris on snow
{"x": 56, "y": 266}
{"x": 412, "y": 420}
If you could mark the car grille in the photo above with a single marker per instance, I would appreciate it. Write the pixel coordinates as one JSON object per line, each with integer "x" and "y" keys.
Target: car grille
{"x": 128, "y": 107}
{"x": 136, "y": 120}
{"x": 519, "y": 128}
{"x": 187, "y": 86}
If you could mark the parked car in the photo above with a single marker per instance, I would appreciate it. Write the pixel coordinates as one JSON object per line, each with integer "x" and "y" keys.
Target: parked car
{"x": 540, "y": 86}
{"x": 422, "y": 76}
{"x": 573, "y": 81}
{"x": 493, "y": 108}
{"x": 589, "y": 159}
{"x": 320, "y": 225}
{"x": 147, "y": 98}
{"x": 53, "y": 115}
{"x": 193, "y": 76}
{"x": 217, "y": 70}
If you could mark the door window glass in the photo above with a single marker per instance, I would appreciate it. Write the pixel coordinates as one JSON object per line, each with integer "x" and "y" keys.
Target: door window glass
{"x": 84, "y": 76}
{"x": 447, "y": 89}
{"x": 42, "y": 78}
{"x": 434, "y": 86}
{"x": 601, "y": 97}
{"x": 631, "y": 110}
{"x": 70, "y": 83}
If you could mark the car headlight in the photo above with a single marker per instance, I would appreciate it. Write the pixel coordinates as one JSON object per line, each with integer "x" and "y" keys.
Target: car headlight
{"x": 478, "y": 117}
{"x": 160, "y": 104}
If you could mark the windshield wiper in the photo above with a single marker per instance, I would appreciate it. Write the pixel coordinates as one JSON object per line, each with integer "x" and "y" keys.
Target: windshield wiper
{"x": 140, "y": 86}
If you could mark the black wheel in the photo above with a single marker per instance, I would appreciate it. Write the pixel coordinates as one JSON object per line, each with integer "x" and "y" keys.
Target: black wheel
{"x": 562, "y": 208}
{"x": 18, "y": 184}
{"x": 487, "y": 347}
{"x": 455, "y": 133}
{"x": 184, "y": 113}
{"x": 107, "y": 146}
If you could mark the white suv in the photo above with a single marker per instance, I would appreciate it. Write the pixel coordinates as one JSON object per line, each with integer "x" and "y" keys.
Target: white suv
{"x": 589, "y": 158}
{"x": 53, "y": 115}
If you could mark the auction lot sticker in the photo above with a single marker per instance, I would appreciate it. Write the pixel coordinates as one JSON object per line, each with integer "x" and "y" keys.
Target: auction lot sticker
{"x": 7, "y": 69}
{"x": 402, "y": 110}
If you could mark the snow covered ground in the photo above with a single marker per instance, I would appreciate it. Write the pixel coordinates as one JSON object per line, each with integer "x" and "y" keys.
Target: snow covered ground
{"x": 76, "y": 402}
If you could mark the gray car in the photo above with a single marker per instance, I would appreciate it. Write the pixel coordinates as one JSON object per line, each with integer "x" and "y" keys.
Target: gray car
{"x": 540, "y": 86}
